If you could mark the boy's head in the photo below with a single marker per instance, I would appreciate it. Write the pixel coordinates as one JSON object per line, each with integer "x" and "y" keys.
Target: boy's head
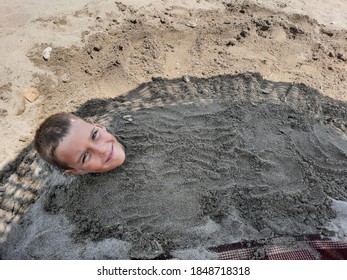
{"x": 77, "y": 146}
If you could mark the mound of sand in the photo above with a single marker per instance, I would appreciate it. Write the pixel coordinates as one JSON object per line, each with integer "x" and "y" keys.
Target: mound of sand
{"x": 209, "y": 161}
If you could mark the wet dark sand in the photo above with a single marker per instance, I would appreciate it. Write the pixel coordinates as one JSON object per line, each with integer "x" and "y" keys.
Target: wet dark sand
{"x": 209, "y": 162}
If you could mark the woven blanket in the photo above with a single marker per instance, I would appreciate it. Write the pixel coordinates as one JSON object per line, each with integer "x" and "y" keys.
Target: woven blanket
{"x": 302, "y": 248}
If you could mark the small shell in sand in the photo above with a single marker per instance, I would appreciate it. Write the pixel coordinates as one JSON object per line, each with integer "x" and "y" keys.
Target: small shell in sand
{"x": 47, "y": 53}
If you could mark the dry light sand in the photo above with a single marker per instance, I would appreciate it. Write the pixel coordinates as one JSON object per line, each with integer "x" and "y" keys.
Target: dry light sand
{"x": 233, "y": 114}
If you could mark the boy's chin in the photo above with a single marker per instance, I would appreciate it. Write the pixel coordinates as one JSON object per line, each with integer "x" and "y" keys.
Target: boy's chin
{"x": 83, "y": 172}
{"x": 106, "y": 169}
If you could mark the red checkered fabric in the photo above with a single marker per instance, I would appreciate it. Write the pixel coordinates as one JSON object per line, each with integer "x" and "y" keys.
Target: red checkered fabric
{"x": 309, "y": 249}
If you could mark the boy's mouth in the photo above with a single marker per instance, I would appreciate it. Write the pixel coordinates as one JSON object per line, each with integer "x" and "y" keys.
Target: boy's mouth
{"x": 110, "y": 156}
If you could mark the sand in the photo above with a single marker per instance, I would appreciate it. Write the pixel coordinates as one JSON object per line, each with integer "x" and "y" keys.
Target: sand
{"x": 215, "y": 157}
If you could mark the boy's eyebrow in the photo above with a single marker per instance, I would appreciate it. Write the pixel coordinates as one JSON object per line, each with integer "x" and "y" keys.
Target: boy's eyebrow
{"x": 81, "y": 156}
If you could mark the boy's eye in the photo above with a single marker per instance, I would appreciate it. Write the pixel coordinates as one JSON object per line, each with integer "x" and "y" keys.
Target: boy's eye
{"x": 84, "y": 157}
{"x": 94, "y": 135}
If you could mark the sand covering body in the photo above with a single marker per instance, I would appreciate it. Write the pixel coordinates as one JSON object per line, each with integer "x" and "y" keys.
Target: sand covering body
{"x": 209, "y": 162}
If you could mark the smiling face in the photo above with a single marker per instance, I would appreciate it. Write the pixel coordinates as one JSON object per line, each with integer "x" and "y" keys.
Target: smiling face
{"x": 89, "y": 148}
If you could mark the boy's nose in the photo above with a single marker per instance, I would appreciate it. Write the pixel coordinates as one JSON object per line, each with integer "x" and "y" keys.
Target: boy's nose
{"x": 100, "y": 149}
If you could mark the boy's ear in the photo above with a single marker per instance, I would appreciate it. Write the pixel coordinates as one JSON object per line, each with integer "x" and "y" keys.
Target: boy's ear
{"x": 74, "y": 172}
